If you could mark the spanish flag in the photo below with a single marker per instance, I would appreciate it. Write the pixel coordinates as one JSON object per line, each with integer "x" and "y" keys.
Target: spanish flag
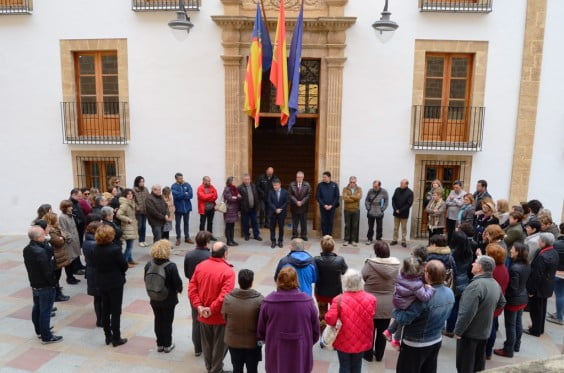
{"x": 279, "y": 69}
{"x": 253, "y": 78}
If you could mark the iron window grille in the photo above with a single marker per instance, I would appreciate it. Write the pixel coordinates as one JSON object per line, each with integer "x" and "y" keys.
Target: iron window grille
{"x": 95, "y": 122}
{"x": 95, "y": 172}
{"x": 9, "y": 7}
{"x": 163, "y": 5}
{"x": 449, "y": 128}
{"x": 445, "y": 171}
{"x": 456, "y": 6}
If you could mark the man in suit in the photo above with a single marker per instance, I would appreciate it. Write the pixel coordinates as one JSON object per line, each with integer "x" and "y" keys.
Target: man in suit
{"x": 300, "y": 192}
{"x": 277, "y": 206}
{"x": 264, "y": 187}
{"x": 249, "y": 207}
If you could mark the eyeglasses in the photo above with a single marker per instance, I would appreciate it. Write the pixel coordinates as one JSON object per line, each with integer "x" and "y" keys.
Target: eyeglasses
{"x": 86, "y": 193}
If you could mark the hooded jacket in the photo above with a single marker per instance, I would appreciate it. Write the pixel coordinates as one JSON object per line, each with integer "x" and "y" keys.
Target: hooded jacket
{"x": 305, "y": 267}
{"x": 409, "y": 289}
{"x": 379, "y": 275}
{"x": 241, "y": 311}
{"x": 126, "y": 214}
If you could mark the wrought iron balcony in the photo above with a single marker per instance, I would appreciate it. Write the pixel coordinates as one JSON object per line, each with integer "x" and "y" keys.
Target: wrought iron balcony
{"x": 163, "y": 5}
{"x": 16, "y": 7}
{"x": 456, "y": 6}
{"x": 448, "y": 128}
{"x": 95, "y": 122}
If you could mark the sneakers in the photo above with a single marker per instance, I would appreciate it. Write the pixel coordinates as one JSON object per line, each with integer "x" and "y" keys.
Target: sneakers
{"x": 355, "y": 244}
{"x": 388, "y": 335}
{"x": 395, "y": 344}
{"x": 554, "y": 320}
{"x": 53, "y": 339}
{"x": 369, "y": 242}
{"x": 169, "y": 348}
{"x": 143, "y": 244}
{"x": 345, "y": 243}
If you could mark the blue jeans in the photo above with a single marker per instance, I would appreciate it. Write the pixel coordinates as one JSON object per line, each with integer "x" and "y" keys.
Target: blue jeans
{"x": 513, "y": 331}
{"x": 350, "y": 363}
{"x": 491, "y": 341}
{"x": 127, "y": 254}
{"x": 141, "y": 226}
{"x": 451, "y": 321}
{"x": 559, "y": 295}
{"x": 177, "y": 218}
{"x": 250, "y": 214}
{"x": 43, "y": 299}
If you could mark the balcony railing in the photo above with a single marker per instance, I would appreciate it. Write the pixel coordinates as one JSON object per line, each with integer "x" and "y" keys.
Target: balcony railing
{"x": 95, "y": 122}
{"x": 448, "y": 128}
{"x": 456, "y": 6}
{"x": 160, "y": 5}
{"x": 16, "y": 7}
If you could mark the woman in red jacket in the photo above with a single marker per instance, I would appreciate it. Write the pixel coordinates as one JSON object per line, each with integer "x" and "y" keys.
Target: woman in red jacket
{"x": 501, "y": 275}
{"x": 355, "y": 308}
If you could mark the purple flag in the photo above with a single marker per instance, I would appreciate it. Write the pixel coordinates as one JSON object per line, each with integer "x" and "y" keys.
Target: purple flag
{"x": 294, "y": 63}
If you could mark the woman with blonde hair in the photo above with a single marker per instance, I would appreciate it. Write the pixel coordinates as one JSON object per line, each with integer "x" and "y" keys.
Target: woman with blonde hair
{"x": 502, "y": 207}
{"x": 163, "y": 300}
{"x": 167, "y": 196}
{"x": 330, "y": 267}
{"x": 57, "y": 241}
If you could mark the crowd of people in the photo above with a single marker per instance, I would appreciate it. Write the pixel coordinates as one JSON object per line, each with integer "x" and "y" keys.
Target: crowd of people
{"x": 483, "y": 259}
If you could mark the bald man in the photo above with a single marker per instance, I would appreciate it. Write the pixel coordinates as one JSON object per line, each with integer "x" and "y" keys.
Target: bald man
{"x": 213, "y": 279}
{"x": 401, "y": 203}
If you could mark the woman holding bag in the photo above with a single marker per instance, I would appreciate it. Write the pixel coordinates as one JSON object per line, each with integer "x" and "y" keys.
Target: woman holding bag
{"x": 355, "y": 309}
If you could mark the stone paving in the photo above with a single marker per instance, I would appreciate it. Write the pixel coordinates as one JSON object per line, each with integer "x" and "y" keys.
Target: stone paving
{"x": 83, "y": 348}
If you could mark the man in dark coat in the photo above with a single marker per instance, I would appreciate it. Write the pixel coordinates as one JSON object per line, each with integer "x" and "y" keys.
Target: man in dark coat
{"x": 40, "y": 268}
{"x": 277, "y": 202}
{"x": 401, "y": 203}
{"x": 157, "y": 212}
{"x": 107, "y": 214}
{"x": 300, "y": 192}
{"x": 480, "y": 194}
{"x": 249, "y": 205}
{"x": 558, "y": 316}
{"x": 264, "y": 186}
{"x": 540, "y": 284}
{"x": 78, "y": 214}
{"x": 328, "y": 199}
{"x": 191, "y": 260}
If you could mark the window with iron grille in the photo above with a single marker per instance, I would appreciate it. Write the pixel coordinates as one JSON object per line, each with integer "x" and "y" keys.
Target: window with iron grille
{"x": 456, "y": 6}
{"x": 160, "y": 5}
{"x": 445, "y": 171}
{"x": 308, "y": 92}
{"x": 96, "y": 171}
{"x": 8, "y": 7}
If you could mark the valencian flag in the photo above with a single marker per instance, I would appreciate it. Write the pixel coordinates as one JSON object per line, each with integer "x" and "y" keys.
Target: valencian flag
{"x": 279, "y": 69}
{"x": 294, "y": 63}
{"x": 260, "y": 58}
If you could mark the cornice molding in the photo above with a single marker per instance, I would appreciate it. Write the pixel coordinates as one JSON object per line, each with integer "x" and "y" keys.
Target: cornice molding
{"x": 310, "y": 24}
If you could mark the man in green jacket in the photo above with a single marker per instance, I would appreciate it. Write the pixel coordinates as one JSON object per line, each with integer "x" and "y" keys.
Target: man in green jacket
{"x": 475, "y": 316}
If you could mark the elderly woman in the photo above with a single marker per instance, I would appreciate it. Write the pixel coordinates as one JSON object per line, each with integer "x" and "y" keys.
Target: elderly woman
{"x": 141, "y": 193}
{"x": 91, "y": 282}
{"x": 466, "y": 212}
{"x": 110, "y": 273}
{"x": 436, "y": 184}
{"x": 330, "y": 267}
{"x": 436, "y": 213}
{"x": 68, "y": 226}
{"x": 126, "y": 214}
{"x": 379, "y": 275}
{"x": 57, "y": 241}
{"x": 163, "y": 309}
{"x": 288, "y": 325}
{"x": 501, "y": 275}
{"x": 231, "y": 196}
{"x": 517, "y": 298}
{"x": 355, "y": 308}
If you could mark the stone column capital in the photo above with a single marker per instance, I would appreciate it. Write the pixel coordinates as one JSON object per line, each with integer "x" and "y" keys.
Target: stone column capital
{"x": 231, "y": 60}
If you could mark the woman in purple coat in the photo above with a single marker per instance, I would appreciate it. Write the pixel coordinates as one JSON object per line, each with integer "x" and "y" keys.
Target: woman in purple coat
{"x": 231, "y": 196}
{"x": 289, "y": 326}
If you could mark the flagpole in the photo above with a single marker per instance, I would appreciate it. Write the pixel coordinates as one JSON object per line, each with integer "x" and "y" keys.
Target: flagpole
{"x": 264, "y": 15}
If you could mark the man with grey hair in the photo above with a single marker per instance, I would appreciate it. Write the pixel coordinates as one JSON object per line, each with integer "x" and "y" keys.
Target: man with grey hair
{"x": 540, "y": 284}
{"x": 401, "y": 203}
{"x": 303, "y": 263}
{"x": 41, "y": 273}
{"x": 156, "y": 210}
{"x": 249, "y": 207}
{"x": 108, "y": 219}
{"x": 352, "y": 194}
{"x": 475, "y": 316}
{"x": 300, "y": 193}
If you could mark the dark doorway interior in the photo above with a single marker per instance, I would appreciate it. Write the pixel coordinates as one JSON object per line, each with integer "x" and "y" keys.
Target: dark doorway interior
{"x": 286, "y": 152}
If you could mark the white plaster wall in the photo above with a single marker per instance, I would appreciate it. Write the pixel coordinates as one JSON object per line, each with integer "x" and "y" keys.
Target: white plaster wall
{"x": 176, "y": 100}
{"x": 547, "y": 173}
{"x": 378, "y": 80}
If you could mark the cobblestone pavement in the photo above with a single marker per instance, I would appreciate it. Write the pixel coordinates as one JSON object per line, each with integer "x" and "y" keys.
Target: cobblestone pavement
{"x": 83, "y": 348}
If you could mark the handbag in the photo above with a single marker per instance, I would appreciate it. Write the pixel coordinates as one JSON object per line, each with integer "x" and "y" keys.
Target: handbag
{"x": 331, "y": 332}
{"x": 221, "y": 207}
